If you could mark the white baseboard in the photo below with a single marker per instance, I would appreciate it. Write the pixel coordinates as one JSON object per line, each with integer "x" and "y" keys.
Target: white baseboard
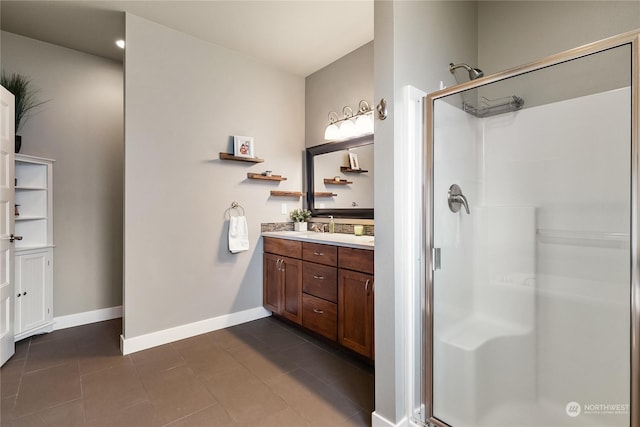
{"x": 378, "y": 420}
{"x": 84, "y": 318}
{"x": 154, "y": 339}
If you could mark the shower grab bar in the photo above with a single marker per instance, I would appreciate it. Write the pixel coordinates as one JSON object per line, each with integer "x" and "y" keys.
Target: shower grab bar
{"x": 600, "y": 239}
{"x": 492, "y": 107}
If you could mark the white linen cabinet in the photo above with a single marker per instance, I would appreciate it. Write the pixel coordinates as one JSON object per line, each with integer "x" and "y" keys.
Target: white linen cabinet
{"x": 34, "y": 253}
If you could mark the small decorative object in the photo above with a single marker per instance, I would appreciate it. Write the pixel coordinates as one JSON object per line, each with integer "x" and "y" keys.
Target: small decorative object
{"x": 25, "y": 100}
{"x": 266, "y": 173}
{"x": 358, "y": 229}
{"x": 353, "y": 161}
{"x": 300, "y": 217}
{"x": 336, "y": 178}
{"x": 243, "y": 146}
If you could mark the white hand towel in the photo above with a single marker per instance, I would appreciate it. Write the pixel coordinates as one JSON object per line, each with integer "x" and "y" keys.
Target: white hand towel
{"x": 238, "y": 234}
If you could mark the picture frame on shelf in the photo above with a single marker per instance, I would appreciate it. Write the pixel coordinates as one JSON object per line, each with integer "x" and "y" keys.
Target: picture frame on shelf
{"x": 353, "y": 161}
{"x": 243, "y": 146}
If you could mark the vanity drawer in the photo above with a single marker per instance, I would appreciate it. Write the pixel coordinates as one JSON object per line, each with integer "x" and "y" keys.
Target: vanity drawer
{"x": 288, "y": 248}
{"x": 320, "y": 280}
{"x": 322, "y": 254}
{"x": 320, "y": 316}
{"x": 356, "y": 259}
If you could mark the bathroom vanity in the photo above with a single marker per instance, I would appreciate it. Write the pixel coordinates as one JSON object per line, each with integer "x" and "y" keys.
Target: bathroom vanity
{"x": 324, "y": 283}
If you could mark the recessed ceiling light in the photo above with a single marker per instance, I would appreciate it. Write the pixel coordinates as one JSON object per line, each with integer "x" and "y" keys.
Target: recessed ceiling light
{"x": 120, "y": 43}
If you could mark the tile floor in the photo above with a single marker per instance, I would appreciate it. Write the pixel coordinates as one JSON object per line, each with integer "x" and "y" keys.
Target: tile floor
{"x": 261, "y": 373}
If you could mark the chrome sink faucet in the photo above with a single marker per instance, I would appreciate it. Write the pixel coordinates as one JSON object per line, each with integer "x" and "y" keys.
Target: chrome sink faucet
{"x": 319, "y": 228}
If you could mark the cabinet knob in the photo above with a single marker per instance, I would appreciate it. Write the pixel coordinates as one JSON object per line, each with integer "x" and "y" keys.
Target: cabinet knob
{"x": 318, "y": 253}
{"x": 24, "y": 293}
{"x": 318, "y": 277}
{"x": 366, "y": 287}
{"x": 315, "y": 310}
{"x": 19, "y": 295}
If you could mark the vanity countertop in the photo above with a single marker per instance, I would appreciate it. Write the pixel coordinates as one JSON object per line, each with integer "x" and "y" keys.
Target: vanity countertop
{"x": 337, "y": 239}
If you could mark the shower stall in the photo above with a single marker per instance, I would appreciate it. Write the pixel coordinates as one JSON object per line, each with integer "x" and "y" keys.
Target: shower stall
{"x": 531, "y": 297}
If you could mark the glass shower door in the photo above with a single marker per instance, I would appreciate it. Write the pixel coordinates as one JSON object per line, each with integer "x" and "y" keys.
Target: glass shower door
{"x": 530, "y": 238}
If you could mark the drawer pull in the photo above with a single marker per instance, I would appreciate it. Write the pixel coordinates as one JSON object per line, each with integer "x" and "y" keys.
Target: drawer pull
{"x": 366, "y": 287}
{"x": 318, "y": 253}
{"x": 318, "y": 277}
{"x": 315, "y": 310}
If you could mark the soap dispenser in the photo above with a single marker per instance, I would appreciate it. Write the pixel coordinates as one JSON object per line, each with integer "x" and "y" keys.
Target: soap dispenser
{"x": 332, "y": 225}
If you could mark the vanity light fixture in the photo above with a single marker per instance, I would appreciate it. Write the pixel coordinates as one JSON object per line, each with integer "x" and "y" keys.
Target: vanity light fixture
{"x": 350, "y": 125}
{"x": 120, "y": 43}
{"x": 332, "y": 131}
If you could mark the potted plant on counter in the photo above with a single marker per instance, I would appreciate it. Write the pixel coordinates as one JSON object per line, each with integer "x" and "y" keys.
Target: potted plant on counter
{"x": 25, "y": 99}
{"x": 300, "y": 217}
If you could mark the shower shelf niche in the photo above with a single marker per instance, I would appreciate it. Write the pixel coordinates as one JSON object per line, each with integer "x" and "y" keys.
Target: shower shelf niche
{"x": 493, "y": 107}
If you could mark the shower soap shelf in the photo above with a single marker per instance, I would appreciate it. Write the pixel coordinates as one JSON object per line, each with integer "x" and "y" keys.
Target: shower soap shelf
{"x": 493, "y": 107}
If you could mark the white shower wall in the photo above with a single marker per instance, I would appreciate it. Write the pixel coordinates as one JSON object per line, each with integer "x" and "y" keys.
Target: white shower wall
{"x": 571, "y": 161}
{"x": 532, "y": 300}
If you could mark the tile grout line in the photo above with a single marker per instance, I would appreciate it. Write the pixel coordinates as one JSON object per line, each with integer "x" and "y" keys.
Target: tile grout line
{"x": 24, "y": 364}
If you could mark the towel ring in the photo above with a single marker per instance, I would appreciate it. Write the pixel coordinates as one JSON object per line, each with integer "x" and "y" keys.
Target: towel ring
{"x": 235, "y": 206}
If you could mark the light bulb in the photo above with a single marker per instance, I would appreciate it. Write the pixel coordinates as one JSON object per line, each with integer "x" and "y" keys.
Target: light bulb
{"x": 364, "y": 125}
{"x": 332, "y": 132}
{"x": 120, "y": 43}
{"x": 347, "y": 129}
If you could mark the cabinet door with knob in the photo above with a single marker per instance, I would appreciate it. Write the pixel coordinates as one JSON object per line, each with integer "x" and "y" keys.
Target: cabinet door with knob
{"x": 355, "y": 311}
{"x": 282, "y": 286}
{"x": 34, "y": 294}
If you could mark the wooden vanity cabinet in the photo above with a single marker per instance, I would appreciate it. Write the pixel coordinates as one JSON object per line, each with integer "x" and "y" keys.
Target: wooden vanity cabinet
{"x": 334, "y": 295}
{"x": 282, "y": 278}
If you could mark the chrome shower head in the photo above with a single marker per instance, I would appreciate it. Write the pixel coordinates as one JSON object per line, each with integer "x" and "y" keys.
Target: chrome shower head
{"x": 474, "y": 73}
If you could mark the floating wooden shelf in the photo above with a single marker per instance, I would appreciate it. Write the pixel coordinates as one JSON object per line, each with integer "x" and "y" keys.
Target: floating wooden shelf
{"x": 323, "y": 194}
{"x": 347, "y": 169}
{"x": 227, "y": 156}
{"x": 266, "y": 178}
{"x": 334, "y": 182}
{"x": 276, "y": 193}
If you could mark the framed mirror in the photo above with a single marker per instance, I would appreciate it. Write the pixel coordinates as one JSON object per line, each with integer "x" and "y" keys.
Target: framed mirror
{"x": 340, "y": 178}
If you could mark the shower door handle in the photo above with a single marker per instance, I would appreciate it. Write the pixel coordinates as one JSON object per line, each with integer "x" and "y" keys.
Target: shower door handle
{"x": 457, "y": 199}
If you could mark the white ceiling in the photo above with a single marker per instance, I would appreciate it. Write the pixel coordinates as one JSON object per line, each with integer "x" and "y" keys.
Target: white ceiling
{"x": 298, "y": 36}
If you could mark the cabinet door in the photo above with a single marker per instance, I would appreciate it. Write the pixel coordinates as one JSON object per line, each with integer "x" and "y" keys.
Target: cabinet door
{"x": 32, "y": 279}
{"x": 272, "y": 283}
{"x": 292, "y": 290}
{"x": 355, "y": 311}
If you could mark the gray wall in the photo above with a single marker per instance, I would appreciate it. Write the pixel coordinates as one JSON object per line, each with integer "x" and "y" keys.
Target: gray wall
{"x": 511, "y": 33}
{"x": 184, "y": 99}
{"x": 82, "y": 129}
{"x": 344, "y": 82}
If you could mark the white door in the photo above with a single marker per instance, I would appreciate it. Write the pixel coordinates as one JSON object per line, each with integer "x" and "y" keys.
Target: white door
{"x": 7, "y": 195}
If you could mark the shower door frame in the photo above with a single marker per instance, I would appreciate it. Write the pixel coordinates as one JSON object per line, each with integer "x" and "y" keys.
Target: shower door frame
{"x": 631, "y": 38}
